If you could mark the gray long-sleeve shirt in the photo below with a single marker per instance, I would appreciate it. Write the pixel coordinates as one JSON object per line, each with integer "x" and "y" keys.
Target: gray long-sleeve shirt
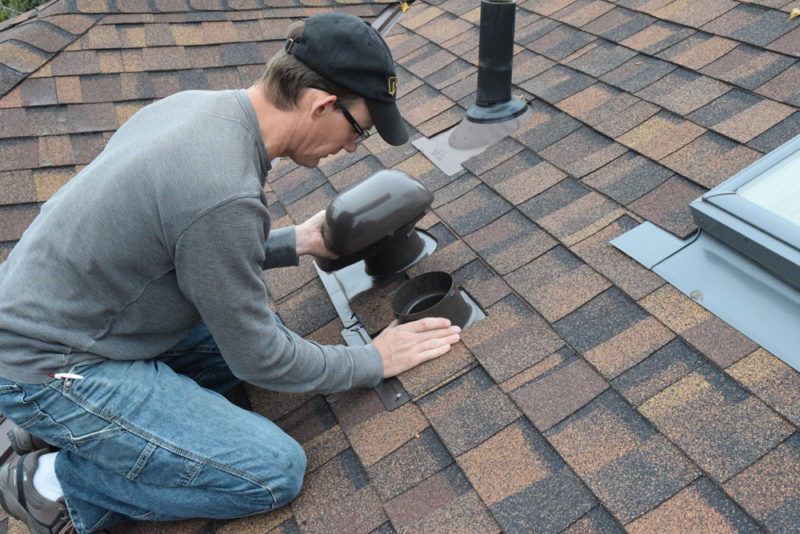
{"x": 167, "y": 226}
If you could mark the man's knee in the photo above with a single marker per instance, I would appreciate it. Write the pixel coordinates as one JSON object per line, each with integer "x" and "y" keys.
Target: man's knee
{"x": 291, "y": 481}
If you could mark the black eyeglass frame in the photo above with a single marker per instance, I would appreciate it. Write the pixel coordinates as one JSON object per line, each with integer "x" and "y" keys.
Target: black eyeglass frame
{"x": 362, "y": 133}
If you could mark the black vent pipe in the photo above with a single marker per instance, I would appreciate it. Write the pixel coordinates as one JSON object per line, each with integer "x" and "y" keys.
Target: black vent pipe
{"x": 495, "y": 56}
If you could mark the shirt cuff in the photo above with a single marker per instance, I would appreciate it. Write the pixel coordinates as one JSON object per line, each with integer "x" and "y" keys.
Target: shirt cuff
{"x": 281, "y": 248}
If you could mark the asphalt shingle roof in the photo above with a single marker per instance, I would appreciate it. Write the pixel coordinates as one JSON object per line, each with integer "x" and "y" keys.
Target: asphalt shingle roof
{"x": 594, "y": 397}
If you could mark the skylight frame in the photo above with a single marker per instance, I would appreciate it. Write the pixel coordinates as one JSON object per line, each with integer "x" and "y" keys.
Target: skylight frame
{"x": 760, "y": 234}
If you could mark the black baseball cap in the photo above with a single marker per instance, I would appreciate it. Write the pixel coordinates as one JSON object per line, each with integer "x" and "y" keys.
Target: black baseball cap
{"x": 347, "y": 50}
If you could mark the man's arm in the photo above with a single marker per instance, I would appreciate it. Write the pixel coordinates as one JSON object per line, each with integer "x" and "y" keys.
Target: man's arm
{"x": 401, "y": 347}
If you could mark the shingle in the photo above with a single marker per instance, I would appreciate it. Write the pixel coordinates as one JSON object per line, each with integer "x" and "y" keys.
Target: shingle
{"x": 423, "y": 103}
{"x": 741, "y": 116}
{"x": 751, "y": 24}
{"x": 718, "y": 424}
{"x": 661, "y": 369}
{"x": 575, "y": 219}
{"x": 492, "y": 156}
{"x": 668, "y": 206}
{"x": 683, "y": 91}
{"x": 454, "y": 72}
{"x": 637, "y": 73}
{"x": 557, "y": 283}
{"x": 661, "y": 135}
{"x": 426, "y": 60}
{"x": 620, "y": 123}
{"x": 557, "y": 83}
{"x": 657, "y": 37}
{"x": 694, "y": 13}
{"x": 768, "y": 489}
{"x": 748, "y": 67}
{"x": 443, "y": 28}
{"x": 442, "y": 503}
{"x": 475, "y": 209}
{"x": 522, "y": 177}
{"x": 338, "y": 493}
{"x": 527, "y": 486}
{"x": 719, "y": 341}
{"x": 785, "y": 87}
{"x": 422, "y": 456}
{"x": 49, "y": 180}
{"x": 627, "y": 178}
{"x": 355, "y": 173}
{"x": 430, "y": 375}
{"x": 777, "y": 135}
{"x": 310, "y": 204}
{"x": 282, "y": 282}
{"x": 582, "y": 152}
{"x": 16, "y": 187}
{"x": 772, "y": 380}
{"x": 481, "y": 283}
{"x": 545, "y": 126}
{"x": 511, "y": 339}
{"x": 601, "y": 59}
{"x": 546, "y": 7}
{"x": 700, "y": 506}
{"x": 22, "y": 57}
{"x": 314, "y": 427}
{"x": 38, "y": 92}
{"x": 556, "y": 395}
{"x": 698, "y": 50}
{"x": 307, "y": 309}
{"x": 596, "y": 521}
{"x": 634, "y": 470}
{"x": 618, "y": 24}
{"x": 8, "y": 79}
{"x": 560, "y": 42}
{"x": 710, "y": 159}
{"x": 617, "y": 267}
{"x": 786, "y": 44}
{"x": 533, "y": 31}
{"x": 15, "y": 219}
{"x": 468, "y": 410}
{"x": 509, "y": 242}
{"x": 600, "y": 320}
{"x": 580, "y": 12}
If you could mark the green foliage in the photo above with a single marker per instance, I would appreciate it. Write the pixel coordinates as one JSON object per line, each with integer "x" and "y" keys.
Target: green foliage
{"x": 11, "y": 8}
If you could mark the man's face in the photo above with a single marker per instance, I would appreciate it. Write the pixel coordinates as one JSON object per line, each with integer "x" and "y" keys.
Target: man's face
{"x": 330, "y": 131}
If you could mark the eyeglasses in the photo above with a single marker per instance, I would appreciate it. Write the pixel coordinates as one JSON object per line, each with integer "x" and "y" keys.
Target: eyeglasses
{"x": 362, "y": 133}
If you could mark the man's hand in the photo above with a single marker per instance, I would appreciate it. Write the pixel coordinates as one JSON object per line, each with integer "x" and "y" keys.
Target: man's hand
{"x": 308, "y": 238}
{"x": 408, "y": 345}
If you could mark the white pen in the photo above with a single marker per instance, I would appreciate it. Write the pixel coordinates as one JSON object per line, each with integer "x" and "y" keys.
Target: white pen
{"x": 64, "y": 376}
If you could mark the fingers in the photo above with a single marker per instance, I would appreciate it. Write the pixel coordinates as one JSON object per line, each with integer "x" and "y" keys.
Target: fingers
{"x": 427, "y": 323}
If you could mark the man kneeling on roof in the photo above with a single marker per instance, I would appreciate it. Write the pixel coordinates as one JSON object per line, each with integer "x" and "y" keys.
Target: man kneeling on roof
{"x": 136, "y": 297}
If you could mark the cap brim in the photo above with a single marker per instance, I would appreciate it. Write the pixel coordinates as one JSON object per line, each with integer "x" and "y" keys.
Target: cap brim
{"x": 388, "y": 122}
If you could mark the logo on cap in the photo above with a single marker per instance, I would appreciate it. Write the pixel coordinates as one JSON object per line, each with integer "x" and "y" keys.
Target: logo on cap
{"x": 392, "y": 85}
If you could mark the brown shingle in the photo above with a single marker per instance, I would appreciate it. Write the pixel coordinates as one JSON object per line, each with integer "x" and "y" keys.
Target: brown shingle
{"x": 668, "y": 206}
{"x": 551, "y": 398}
{"x": 710, "y": 159}
{"x": 720, "y": 426}
{"x": 700, "y": 507}
{"x": 557, "y": 283}
{"x": 698, "y": 50}
{"x": 694, "y": 13}
{"x": 511, "y": 339}
{"x": 772, "y": 380}
{"x": 768, "y": 489}
{"x": 634, "y": 469}
{"x": 719, "y": 341}
{"x": 661, "y": 135}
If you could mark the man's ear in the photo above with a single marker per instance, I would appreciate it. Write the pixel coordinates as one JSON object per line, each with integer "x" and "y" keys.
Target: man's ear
{"x": 321, "y": 102}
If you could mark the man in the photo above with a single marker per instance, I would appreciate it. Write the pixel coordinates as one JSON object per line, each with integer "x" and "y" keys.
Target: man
{"x": 136, "y": 297}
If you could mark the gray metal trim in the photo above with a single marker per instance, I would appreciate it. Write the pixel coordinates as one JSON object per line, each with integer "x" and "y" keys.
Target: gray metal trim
{"x": 728, "y": 284}
{"x": 763, "y": 236}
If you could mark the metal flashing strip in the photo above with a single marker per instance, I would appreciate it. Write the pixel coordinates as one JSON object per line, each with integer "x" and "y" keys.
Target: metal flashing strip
{"x": 390, "y": 390}
{"x": 725, "y": 282}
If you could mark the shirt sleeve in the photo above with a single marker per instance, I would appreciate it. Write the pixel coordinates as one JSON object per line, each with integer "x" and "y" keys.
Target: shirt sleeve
{"x": 218, "y": 263}
{"x": 281, "y": 249}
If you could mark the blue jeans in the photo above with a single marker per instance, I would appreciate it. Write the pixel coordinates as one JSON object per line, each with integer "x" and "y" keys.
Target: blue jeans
{"x": 155, "y": 440}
